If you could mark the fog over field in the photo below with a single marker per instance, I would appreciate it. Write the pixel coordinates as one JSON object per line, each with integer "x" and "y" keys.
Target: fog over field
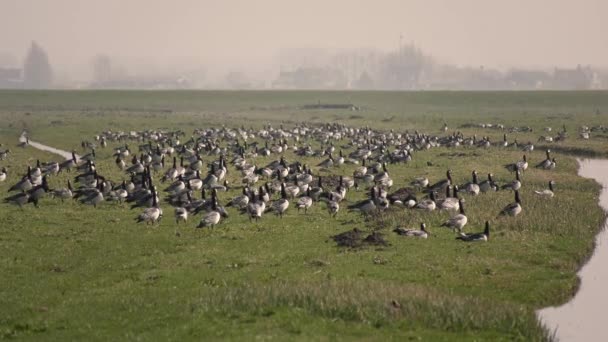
{"x": 243, "y": 44}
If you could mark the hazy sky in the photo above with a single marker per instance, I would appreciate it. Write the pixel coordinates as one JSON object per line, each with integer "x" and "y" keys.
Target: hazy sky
{"x": 250, "y": 32}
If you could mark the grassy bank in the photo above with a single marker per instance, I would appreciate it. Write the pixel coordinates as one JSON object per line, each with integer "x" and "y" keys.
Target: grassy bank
{"x": 74, "y": 272}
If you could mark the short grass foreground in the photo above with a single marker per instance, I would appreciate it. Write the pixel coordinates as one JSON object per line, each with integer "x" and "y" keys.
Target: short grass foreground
{"x": 73, "y": 272}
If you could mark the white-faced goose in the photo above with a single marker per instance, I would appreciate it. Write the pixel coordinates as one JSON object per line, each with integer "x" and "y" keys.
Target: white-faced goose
{"x": 3, "y": 174}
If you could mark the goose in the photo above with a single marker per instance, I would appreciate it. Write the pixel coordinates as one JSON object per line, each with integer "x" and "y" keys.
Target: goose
{"x": 176, "y": 186}
{"x": 513, "y": 209}
{"x": 292, "y": 190}
{"x": 478, "y": 237}
{"x": 255, "y": 209}
{"x": 327, "y": 163}
{"x": 150, "y": 215}
{"x": 181, "y": 214}
{"x": 504, "y": 143}
{"x": 472, "y": 188}
{"x": 172, "y": 173}
{"x": 240, "y": 201}
{"x": 212, "y": 218}
{"x": 442, "y": 184}
{"x": 420, "y": 182}
{"x": 4, "y": 154}
{"x": 547, "y": 193}
{"x": 304, "y": 202}
{"x": 366, "y": 206}
{"x": 196, "y": 183}
{"x": 3, "y": 174}
{"x": 19, "y": 199}
{"x": 332, "y": 206}
{"x": 402, "y": 196}
{"x": 457, "y": 221}
{"x": 158, "y": 165}
{"x": 91, "y": 196}
{"x": 450, "y": 203}
{"x": 421, "y": 233}
{"x": 514, "y": 185}
{"x": 547, "y": 163}
{"x": 24, "y": 184}
{"x": 64, "y": 193}
{"x": 488, "y": 185}
{"x": 89, "y": 156}
{"x": 361, "y": 170}
{"x": 315, "y": 192}
{"x": 51, "y": 168}
{"x": 281, "y": 205}
{"x": 427, "y": 204}
{"x": 521, "y": 165}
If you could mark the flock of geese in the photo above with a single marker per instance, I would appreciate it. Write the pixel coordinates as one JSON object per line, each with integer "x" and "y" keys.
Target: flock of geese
{"x": 169, "y": 168}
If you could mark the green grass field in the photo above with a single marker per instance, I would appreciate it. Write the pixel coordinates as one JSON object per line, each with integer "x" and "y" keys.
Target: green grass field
{"x": 73, "y": 272}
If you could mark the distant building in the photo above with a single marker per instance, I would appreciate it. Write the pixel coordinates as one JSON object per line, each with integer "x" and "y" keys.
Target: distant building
{"x": 527, "y": 79}
{"x": 311, "y": 78}
{"x": 575, "y": 79}
{"x": 11, "y": 78}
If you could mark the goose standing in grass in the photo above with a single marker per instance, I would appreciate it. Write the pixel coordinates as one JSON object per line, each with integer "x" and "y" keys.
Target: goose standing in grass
{"x": 24, "y": 184}
{"x": 428, "y": 204}
{"x": 3, "y": 174}
{"x": 419, "y": 233}
{"x": 281, "y": 205}
{"x": 150, "y": 215}
{"x": 92, "y": 196}
{"x": 69, "y": 164}
{"x": 457, "y": 221}
{"x": 19, "y": 199}
{"x": 546, "y": 193}
{"x": 304, "y": 202}
{"x": 513, "y": 209}
{"x": 64, "y": 193}
{"x": 515, "y": 184}
{"x": 255, "y": 208}
{"x": 332, "y": 206}
{"x": 181, "y": 214}
{"x": 472, "y": 188}
{"x": 212, "y": 218}
{"x": 241, "y": 201}
{"x": 477, "y": 237}
{"x": 450, "y": 202}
